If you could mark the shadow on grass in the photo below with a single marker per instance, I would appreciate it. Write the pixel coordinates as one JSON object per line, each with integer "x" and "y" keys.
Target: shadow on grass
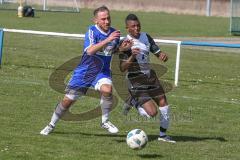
{"x": 150, "y": 137}
{"x": 195, "y": 139}
{"x": 189, "y": 138}
{"x": 90, "y": 134}
{"x": 150, "y": 156}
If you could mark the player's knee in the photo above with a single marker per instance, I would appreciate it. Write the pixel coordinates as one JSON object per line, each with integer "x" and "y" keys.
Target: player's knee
{"x": 152, "y": 113}
{"x": 163, "y": 101}
{"x": 106, "y": 90}
{"x": 67, "y": 102}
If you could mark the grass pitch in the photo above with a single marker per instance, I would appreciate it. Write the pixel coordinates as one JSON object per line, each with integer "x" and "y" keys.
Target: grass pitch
{"x": 205, "y": 106}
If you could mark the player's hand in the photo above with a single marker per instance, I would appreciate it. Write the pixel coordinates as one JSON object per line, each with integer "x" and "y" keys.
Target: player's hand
{"x": 114, "y": 35}
{"x": 163, "y": 57}
{"x": 135, "y": 51}
{"x": 126, "y": 45}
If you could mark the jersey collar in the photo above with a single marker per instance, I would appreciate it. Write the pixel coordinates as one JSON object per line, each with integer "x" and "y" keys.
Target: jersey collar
{"x": 130, "y": 37}
{"x": 100, "y": 30}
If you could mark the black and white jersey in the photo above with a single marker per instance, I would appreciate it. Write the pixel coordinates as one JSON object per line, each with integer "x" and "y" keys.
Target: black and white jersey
{"x": 146, "y": 45}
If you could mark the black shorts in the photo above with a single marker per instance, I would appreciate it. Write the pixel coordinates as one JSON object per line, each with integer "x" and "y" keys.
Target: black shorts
{"x": 144, "y": 87}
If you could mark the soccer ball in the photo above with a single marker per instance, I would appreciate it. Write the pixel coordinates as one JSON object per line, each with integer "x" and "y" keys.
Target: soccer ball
{"x": 137, "y": 139}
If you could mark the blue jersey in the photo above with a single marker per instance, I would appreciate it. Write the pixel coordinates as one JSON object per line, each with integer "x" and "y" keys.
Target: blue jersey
{"x": 96, "y": 66}
{"x": 94, "y": 36}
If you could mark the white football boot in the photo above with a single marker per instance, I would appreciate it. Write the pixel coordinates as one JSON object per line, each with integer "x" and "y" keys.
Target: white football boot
{"x": 166, "y": 139}
{"x": 48, "y": 129}
{"x": 109, "y": 127}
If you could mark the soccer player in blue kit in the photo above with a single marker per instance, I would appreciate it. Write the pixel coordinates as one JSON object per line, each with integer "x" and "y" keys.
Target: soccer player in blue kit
{"x": 101, "y": 40}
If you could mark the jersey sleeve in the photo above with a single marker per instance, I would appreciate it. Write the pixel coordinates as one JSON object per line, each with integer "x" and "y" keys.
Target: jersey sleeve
{"x": 153, "y": 47}
{"x": 89, "y": 39}
{"x": 115, "y": 43}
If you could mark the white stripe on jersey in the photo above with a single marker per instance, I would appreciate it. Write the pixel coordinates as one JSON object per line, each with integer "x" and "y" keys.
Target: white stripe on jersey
{"x": 91, "y": 39}
{"x": 90, "y": 36}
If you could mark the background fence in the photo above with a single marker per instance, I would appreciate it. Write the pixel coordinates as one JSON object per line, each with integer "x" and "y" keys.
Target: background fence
{"x": 195, "y": 7}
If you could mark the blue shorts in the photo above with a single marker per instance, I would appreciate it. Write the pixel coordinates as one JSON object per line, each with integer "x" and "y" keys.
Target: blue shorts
{"x": 82, "y": 80}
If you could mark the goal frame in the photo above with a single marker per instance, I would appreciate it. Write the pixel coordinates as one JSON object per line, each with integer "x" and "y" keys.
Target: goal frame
{"x": 234, "y": 26}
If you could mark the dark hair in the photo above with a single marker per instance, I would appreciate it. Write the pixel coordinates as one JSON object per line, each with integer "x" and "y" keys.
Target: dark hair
{"x": 100, "y": 9}
{"x": 131, "y": 17}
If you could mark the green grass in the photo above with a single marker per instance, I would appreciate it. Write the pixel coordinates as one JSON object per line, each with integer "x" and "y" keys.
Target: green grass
{"x": 205, "y": 106}
{"x": 156, "y": 24}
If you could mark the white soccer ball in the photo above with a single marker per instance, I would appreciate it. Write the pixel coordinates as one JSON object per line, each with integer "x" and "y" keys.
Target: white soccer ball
{"x": 137, "y": 139}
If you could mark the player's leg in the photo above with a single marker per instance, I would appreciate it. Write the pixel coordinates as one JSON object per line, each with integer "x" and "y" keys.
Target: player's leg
{"x": 142, "y": 100}
{"x": 164, "y": 119}
{"x": 134, "y": 81}
{"x": 150, "y": 107}
{"x": 147, "y": 108}
{"x": 164, "y": 115}
{"x": 128, "y": 104}
{"x": 74, "y": 89}
{"x": 145, "y": 105}
{"x": 106, "y": 101}
{"x": 104, "y": 86}
{"x": 59, "y": 111}
{"x": 158, "y": 95}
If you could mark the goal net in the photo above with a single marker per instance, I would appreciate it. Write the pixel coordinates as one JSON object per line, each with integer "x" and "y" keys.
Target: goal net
{"x": 44, "y": 5}
{"x": 235, "y": 17}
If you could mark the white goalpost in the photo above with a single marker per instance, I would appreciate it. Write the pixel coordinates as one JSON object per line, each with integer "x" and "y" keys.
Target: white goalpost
{"x": 55, "y": 5}
{"x": 45, "y": 5}
{"x": 235, "y": 17}
{"x": 81, "y": 36}
{"x": 178, "y": 43}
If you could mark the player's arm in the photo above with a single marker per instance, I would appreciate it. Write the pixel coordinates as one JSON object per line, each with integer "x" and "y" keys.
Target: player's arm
{"x": 162, "y": 56}
{"x": 125, "y": 45}
{"x": 93, "y": 48}
{"x": 156, "y": 50}
{"x": 126, "y": 61}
